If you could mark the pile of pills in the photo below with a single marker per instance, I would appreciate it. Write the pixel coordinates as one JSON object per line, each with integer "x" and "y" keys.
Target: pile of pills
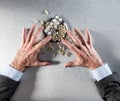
{"x": 55, "y": 27}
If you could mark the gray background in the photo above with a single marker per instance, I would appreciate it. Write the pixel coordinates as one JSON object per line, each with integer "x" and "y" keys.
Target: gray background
{"x": 54, "y": 83}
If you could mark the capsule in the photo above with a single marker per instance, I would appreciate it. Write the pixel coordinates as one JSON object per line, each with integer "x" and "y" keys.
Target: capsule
{"x": 45, "y": 12}
{"x": 54, "y": 55}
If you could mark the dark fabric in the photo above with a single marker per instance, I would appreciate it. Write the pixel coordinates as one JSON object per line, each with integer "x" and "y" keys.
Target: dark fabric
{"x": 109, "y": 87}
{"x": 7, "y": 88}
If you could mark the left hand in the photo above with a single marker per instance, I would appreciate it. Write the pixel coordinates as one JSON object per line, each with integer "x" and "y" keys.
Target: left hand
{"x": 27, "y": 54}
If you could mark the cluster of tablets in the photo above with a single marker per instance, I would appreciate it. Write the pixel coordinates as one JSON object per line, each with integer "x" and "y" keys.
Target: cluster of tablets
{"x": 52, "y": 26}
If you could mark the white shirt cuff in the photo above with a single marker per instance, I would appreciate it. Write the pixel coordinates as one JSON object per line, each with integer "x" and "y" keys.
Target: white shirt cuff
{"x": 101, "y": 72}
{"x": 11, "y": 73}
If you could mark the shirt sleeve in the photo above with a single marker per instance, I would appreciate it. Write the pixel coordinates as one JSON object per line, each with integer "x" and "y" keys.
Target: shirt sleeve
{"x": 101, "y": 72}
{"x": 11, "y": 73}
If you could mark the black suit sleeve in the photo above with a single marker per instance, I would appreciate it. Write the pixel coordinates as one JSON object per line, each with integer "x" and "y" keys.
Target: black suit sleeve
{"x": 109, "y": 87}
{"x": 7, "y": 88}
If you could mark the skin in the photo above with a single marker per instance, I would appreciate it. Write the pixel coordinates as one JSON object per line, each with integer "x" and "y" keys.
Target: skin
{"x": 27, "y": 54}
{"x": 86, "y": 55}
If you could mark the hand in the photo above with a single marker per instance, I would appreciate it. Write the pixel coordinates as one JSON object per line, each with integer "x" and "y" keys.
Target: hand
{"x": 27, "y": 54}
{"x": 85, "y": 53}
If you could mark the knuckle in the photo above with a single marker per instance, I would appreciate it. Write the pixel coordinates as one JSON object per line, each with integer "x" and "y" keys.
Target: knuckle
{"x": 71, "y": 46}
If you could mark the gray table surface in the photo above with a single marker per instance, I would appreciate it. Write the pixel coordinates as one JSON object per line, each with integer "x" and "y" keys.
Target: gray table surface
{"x": 54, "y": 83}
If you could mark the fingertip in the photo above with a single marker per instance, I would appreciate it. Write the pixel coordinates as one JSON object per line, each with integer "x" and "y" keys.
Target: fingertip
{"x": 33, "y": 26}
{"x": 49, "y": 37}
{"x": 49, "y": 63}
{"x": 23, "y": 29}
{"x": 87, "y": 29}
{"x": 86, "y": 32}
{"x": 75, "y": 28}
{"x": 41, "y": 27}
{"x": 65, "y": 66}
{"x": 62, "y": 40}
{"x": 46, "y": 64}
{"x": 68, "y": 31}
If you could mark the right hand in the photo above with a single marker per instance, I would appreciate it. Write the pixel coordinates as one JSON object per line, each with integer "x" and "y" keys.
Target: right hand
{"x": 86, "y": 55}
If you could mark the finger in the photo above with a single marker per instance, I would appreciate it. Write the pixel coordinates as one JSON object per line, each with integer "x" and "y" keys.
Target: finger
{"x": 34, "y": 55}
{"x": 72, "y": 64}
{"x": 86, "y": 49}
{"x": 77, "y": 52}
{"x": 89, "y": 40}
{"x": 37, "y": 63}
{"x": 70, "y": 46}
{"x": 30, "y": 34}
{"x": 40, "y": 44}
{"x": 33, "y": 38}
{"x": 81, "y": 37}
{"x": 74, "y": 38}
{"x": 24, "y": 36}
{"x": 43, "y": 42}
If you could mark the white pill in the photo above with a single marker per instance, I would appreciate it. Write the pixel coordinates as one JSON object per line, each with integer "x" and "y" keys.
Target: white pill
{"x": 56, "y": 17}
{"x": 49, "y": 33}
{"x": 54, "y": 20}
{"x": 55, "y": 26}
{"x": 51, "y": 24}
{"x": 66, "y": 26}
{"x": 48, "y": 27}
{"x": 60, "y": 19}
{"x": 57, "y": 23}
{"x": 45, "y": 30}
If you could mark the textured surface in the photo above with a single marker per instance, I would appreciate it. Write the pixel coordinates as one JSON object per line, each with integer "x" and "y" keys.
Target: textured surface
{"x": 54, "y": 83}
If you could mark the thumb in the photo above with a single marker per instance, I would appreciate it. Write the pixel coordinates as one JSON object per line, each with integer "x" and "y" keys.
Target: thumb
{"x": 72, "y": 64}
{"x": 39, "y": 63}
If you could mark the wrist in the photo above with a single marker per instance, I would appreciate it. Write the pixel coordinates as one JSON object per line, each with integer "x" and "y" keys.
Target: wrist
{"x": 11, "y": 73}
{"x": 96, "y": 65}
{"x": 18, "y": 67}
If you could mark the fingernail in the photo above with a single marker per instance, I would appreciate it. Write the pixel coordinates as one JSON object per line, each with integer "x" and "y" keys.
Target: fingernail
{"x": 75, "y": 28}
{"x": 49, "y": 63}
{"x": 68, "y": 31}
{"x": 41, "y": 27}
{"x": 66, "y": 66}
{"x": 62, "y": 40}
{"x": 34, "y": 25}
{"x": 49, "y": 36}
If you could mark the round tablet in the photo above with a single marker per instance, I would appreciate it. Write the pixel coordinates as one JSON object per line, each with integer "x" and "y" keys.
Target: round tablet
{"x": 49, "y": 33}
{"x": 54, "y": 20}
{"x": 46, "y": 31}
{"x": 51, "y": 23}
{"x": 57, "y": 23}
{"x": 48, "y": 27}
{"x": 55, "y": 26}
{"x": 56, "y": 17}
{"x": 60, "y": 19}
